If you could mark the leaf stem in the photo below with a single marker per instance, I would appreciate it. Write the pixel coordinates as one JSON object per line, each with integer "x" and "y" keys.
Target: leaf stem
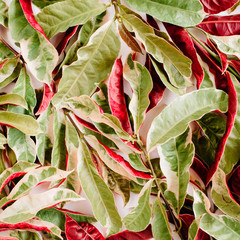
{"x": 8, "y": 46}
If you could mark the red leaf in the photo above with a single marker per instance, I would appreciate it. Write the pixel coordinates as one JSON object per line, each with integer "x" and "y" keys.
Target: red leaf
{"x": 151, "y": 21}
{"x": 201, "y": 235}
{"x": 28, "y": 12}
{"x": 217, "y": 6}
{"x": 116, "y": 96}
{"x": 8, "y": 238}
{"x": 81, "y": 231}
{"x": 182, "y": 39}
{"x": 234, "y": 182}
{"x": 48, "y": 94}
{"x": 128, "y": 235}
{"x": 68, "y": 34}
{"x": 187, "y": 220}
{"x": 236, "y": 65}
{"x": 232, "y": 110}
{"x": 158, "y": 89}
{"x": 125, "y": 164}
{"x": 221, "y": 25}
{"x": 87, "y": 124}
{"x": 200, "y": 169}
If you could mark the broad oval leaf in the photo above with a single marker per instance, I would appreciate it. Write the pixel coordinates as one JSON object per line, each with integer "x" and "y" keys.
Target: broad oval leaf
{"x": 139, "y": 218}
{"x": 183, "y": 110}
{"x": 19, "y": 121}
{"x": 94, "y": 63}
{"x": 222, "y": 197}
{"x": 27, "y": 207}
{"x": 83, "y": 230}
{"x": 98, "y": 193}
{"x": 176, "y": 157}
{"x": 171, "y": 11}
{"x": 76, "y": 12}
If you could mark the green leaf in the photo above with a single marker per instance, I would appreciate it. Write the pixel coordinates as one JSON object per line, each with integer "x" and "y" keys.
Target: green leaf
{"x": 3, "y": 13}
{"x": 24, "y": 235}
{"x": 94, "y": 64}
{"x": 27, "y": 206}
{"x": 207, "y": 82}
{"x": 32, "y": 179}
{"x": 54, "y": 20}
{"x": 98, "y": 193}
{"x": 201, "y": 204}
{"x": 83, "y": 38}
{"x": 3, "y": 140}
{"x": 19, "y": 121}
{"x": 44, "y": 3}
{"x": 136, "y": 162}
{"x": 183, "y": 110}
{"x": 193, "y": 229}
{"x": 116, "y": 183}
{"x": 59, "y": 152}
{"x": 43, "y": 142}
{"x": 176, "y": 157}
{"x": 221, "y": 195}
{"x": 141, "y": 83}
{"x": 171, "y": 11}
{"x": 231, "y": 154}
{"x": 177, "y": 65}
{"x": 14, "y": 99}
{"x": 39, "y": 54}
{"x": 139, "y": 218}
{"x": 87, "y": 108}
{"x": 5, "y": 52}
{"x": 160, "y": 225}
{"x": 72, "y": 144}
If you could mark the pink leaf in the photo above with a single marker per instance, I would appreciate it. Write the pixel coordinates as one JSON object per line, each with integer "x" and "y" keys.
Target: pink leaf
{"x": 221, "y": 25}
{"x": 217, "y": 6}
{"x": 182, "y": 39}
{"x": 48, "y": 94}
{"x": 8, "y": 238}
{"x": 125, "y": 164}
{"x": 87, "y": 124}
{"x": 158, "y": 89}
{"x": 81, "y": 231}
{"x": 116, "y": 96}
{"x": 232, "y": 110}
{"x": 68, "y": 34}
{"x": 28, "y": 12}
{"x": 128, "y": 235}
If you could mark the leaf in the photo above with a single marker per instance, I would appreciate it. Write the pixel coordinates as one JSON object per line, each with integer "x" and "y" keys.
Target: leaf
{"x": 128, "y": 38}
{"x": 9, "y": 119}
{"x": 177, "y": 66}
{"x": 214, "y": 7}
{"x": 3, "y": 13}
{"x": 59, "y": 152}
{"x": 43, "y": 143}
{"x": 141, "y": 84}
{"x": 160, "y": 225}
{"x": 17, "y": 170}
{"x": 3, "y": 140}
{"x": 5, "y": 52}
{"x": 97, "y": 57}
{"x": 233, "y": 181}
{"x": 31, "y": 180}
{"x": 99, "y": 195}
{"x": 116, "y": 96}
{"x": 186, "y": 108}
{"x": 139, "y": 218}
{"x": 52, "y": 19}
{"x": 23, "y": 235}
{"x": 182, "y": 39}
{"x": 222, "y": 197}
{"x": 33, "y": 224}
{"x": 84, "y": 231}
{"x": 136, "y": 162}
{"x": 168, "y": 11}
{"x": 44, "y": 3}
{"x": 13, "y": 99}
{"x": 176, "y": 157}
{"x": 27, "y": 206}
{"x": 126, "y": 235}
{"x": 206, "y": 82}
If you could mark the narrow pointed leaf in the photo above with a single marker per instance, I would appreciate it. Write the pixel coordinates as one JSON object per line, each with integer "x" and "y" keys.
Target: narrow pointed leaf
{"x": 139, "y": 218}
{"x": 169, "y": 11}
{"x": 160, "y": 225}
{"x": 52, "y": 19}
{"x": 19, "y": 169}
{"x": 136, "y": 162}
{"x": 214, "y": 7}
{"x": 98, "y": 193}
{"x": 13, "y": 99}
{"x": 141, "y": 83}
{"x": 3, "y": 13}
{"x": 176, "y": 157}
{"x": 93, "y": 65}
{"x": 84, "y": 231}
{"x": 5, "y": 52}
{"x": 116, "y": 96}
{"x": 9, "y": 119}
{"x": 222, "y": 197}
{"x": 198, "y": 103}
